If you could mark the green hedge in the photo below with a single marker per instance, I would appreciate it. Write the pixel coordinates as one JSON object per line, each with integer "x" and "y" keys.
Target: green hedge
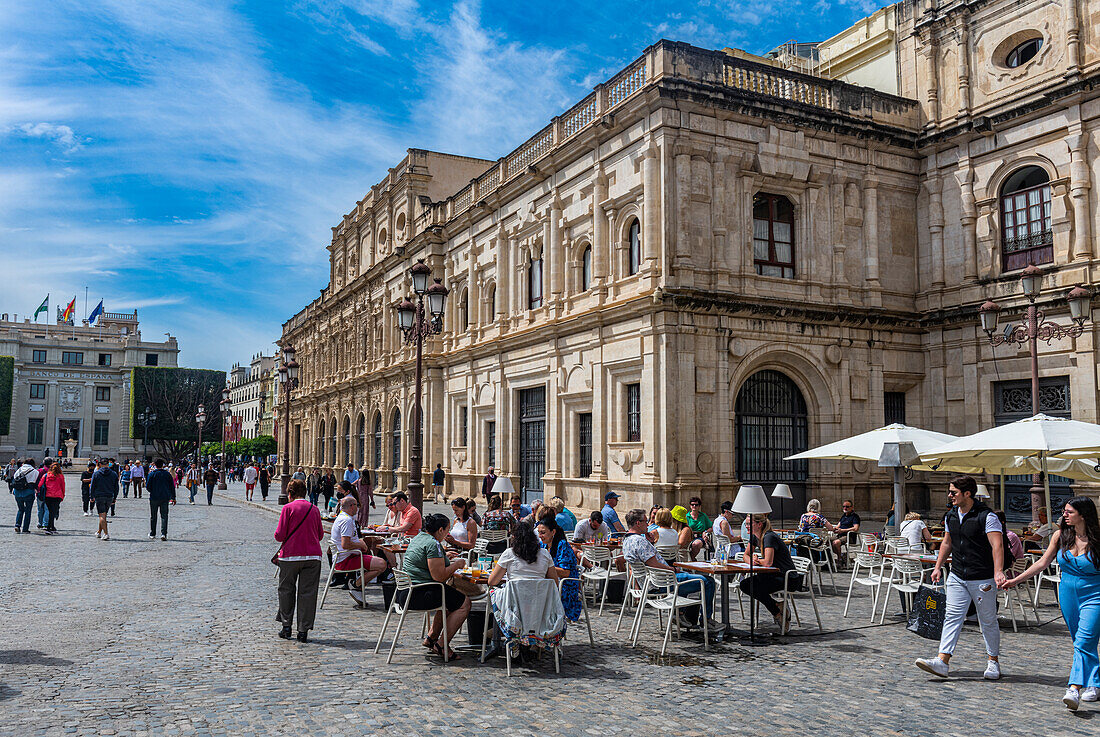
{"x": 175, "y": 394}
{"x": 7, "y": 384}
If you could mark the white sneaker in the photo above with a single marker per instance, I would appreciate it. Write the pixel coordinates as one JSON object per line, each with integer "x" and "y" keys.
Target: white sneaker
{"x": 992, "y": 670}
{"x": 935, "y": 666}
{"x": 357, "y": 595}
{"x": 1072, "y": 699}
{"x": 98, "y": 533}
{"x": 1090, "y": 694}
{"x": 106, "y": 537}
{"x": 152, "y": 537}
{"x": 87, "y": 514}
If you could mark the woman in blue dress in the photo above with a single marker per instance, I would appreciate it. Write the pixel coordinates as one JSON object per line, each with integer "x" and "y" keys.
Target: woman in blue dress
{"x": 553, "y": 537}
{"x": 1077, "y": 548}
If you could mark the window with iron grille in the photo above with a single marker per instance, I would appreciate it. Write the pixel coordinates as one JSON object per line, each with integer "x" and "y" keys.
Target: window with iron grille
{"x": 104, "y": 359}
{"x": 773, "y": 235}
{"x": 101, "y": 433}
{"x": 321, "y": 444}
{"x": 771, "y": 424}
{"x": 1026, "y": 236}
{"x": 462, "y": 427}
{"x": 893, "y": 404}
{"x": 360, "y": 451}
{"x": 633, "y": 413}
{"x": 395, "y": 456}
{"x": 377, "y": 442}
{"x": 532, "y": 440}
{"x": 36, "y": 431}
{"x": 38, "y": 391}
{"x": 347, "y": 440}
{"x": 151, "y": 359}
{"x": 491, "y": 443}
{"x": 584, "y": 440}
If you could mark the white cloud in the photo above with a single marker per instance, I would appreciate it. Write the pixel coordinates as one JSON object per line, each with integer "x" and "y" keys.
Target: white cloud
{"x": 60, "y": 134}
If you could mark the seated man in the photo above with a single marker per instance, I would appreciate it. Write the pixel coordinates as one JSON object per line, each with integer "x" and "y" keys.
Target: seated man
{"x": 1040, "y": 537}
{"x": 638, "y": 549}
{"x": 519, "y": 509}
{"x": 592, "y": 530}
{"x": 349, "y": 550}
{"x": 846, "y": 529}
{"x": 407, "y": 521}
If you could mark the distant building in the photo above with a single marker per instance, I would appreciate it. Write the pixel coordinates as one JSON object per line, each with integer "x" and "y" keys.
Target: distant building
{"x": 249, "y": 387}
{"x": 74, "y": 382}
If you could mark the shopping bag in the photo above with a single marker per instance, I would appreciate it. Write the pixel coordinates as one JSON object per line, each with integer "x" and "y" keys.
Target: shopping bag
{"x": 929, "y": 608}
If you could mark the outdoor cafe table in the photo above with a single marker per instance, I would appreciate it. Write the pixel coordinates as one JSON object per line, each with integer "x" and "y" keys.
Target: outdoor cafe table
{"x": 723, "y": 571}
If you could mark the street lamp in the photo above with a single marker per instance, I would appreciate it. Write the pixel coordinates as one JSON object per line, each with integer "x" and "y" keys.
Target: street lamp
{"x": 1035, "y": 328}
{"x": 200, "y": 418}
{"x": 416, "y": 325}
{"x": 226, "y": 407}
{"x": 288, "y": 379}
{"x": 146, "y": 418}
{"x": 260, "y": 422}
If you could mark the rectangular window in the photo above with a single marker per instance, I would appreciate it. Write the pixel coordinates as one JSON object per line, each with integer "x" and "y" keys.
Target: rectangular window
{"x": 72, "y": 358}
{"x": 102, "y": 432}
{"x": 773, "y": 235}
{"x": 584, "y": 440}
{"x": 36, "y": 431}
{"x": 491, "y": 443}
{"x": 532, "y": 441}
{"x": 38, "y": 356}
{"x": 534, "y": 284}
{"x": 893, "y": 407}
{"x": 38, "y": 391}
{"x": 462, "y": 427}
{"x": 633, "y": 413}
{"x": 103, "y": 394}
{"x": 151, "y": 359}
{"x": 104, "y": 359}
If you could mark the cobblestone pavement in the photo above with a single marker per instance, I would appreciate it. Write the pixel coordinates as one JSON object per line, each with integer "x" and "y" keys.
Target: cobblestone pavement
{"x": 135, "y": 636}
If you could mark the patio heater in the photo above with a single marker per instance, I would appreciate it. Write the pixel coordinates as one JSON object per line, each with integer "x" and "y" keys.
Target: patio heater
{"x": 898, "y": 456}
{"x": 751, "y": 501}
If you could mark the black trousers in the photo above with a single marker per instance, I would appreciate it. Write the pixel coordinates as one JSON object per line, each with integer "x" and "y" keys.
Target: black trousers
{"x": 298, "y": 584}
{"x": 86, "y": 500}
{"x": 54, "y": 506}
{"x": 160, "y": 508}
{"x": 761, "y": 586}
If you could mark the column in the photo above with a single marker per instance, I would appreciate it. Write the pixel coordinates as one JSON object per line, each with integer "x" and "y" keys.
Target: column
{"x": 1079, "y": 186}
{"x": 473, "y": 287}
{"x": 935, "y": 227}
{"x": 870, "y": 229}
{"x": 963, "y": 51}
{"x": 600, "y": 244}
{"x": 968, "y": 218}
{"x": 556, "y": 250}
{"x": 548, "y": 266}
{"x": 719, "y": 248}
{"x": 504, "y": 279}
{"x": 839, "y": 278}
{"x": 682, "y": 262}
{"x": 651, "y": 206}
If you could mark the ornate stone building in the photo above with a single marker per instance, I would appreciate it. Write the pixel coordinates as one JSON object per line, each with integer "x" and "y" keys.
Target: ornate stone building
{"x": 250, "y": 396}
{"x": 716, "y": 260}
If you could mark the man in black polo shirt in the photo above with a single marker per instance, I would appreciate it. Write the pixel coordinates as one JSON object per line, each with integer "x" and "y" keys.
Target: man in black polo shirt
{"x": 846, "y": 528}
{"x": 973, "y": 537}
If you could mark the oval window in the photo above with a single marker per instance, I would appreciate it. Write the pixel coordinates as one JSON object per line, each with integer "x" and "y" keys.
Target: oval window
{"x": 1023, "y": 53}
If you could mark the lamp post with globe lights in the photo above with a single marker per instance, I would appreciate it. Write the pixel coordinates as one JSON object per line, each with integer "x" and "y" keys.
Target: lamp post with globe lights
{"x": 417, "y": 324}
{"x": 288, "y": 379}
{"x": 200, "y": 419}
{"x": 146, "y": 418}
{"x": 227, "y": 412}
{"x": 1036, "y": 327}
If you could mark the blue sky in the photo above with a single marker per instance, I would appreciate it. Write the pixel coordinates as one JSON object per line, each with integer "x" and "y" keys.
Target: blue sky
{"x": 188, "y": 158}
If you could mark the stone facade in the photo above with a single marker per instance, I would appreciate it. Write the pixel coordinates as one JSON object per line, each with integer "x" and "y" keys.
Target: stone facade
{"x": 250, "y": 396}
{"x": 712, "y": 262}
{"x": 74, "y": 382}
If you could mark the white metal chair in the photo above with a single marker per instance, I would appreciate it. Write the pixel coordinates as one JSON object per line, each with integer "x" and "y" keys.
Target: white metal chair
{"x": 634, "y": 582}
{"x": 404, "y": 583}
{"x": 906, "y": 576}
{"x": 584, "y": 606}
{"x": 661, "y": 591}
{"x": 1018, "y": 567}
{"x": 481, "y": 545}
{"x": 332, "y": 574}
{"x": 822, "y": 548}
{"x": 1052, "y": 574}
{"x": 802, "y": 567}
{"x": 505, "y": 601}
{"x": 602, "y": 570}
{"x": 866, "y": 563}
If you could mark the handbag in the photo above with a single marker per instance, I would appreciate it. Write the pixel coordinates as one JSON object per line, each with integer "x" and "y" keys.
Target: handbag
{"x": 275, "y": 558}
{"x": 929, "y": 609}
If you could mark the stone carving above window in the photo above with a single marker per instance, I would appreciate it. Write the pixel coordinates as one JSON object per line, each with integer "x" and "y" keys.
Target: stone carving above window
{"x": 70, "y": 398}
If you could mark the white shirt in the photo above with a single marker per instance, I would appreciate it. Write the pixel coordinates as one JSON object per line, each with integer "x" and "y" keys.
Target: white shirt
{"x": 29, "y": 472}
{"x": 520, "y": 570}
{"x": 250, "y": 475}
{"x": 344, "y": 526}
{"x": 583, "y": 532}
{"x": 716, "y": 528}
{"x": 667, "y": 536}
{"x": 992, "y": 522}
{"x": 1044, "y": 530}
{"x": 913, "y": 530}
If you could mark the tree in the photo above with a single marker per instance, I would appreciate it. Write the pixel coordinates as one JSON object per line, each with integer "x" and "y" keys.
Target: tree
{"x": 264, "y": 445}
{"x": 7, "y": 383}
{"x": 175, "y": 394}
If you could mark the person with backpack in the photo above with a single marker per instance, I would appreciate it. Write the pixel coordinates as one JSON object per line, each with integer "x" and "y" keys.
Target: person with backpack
{"x": 24, "y": 483}
{"x": 161, "y": 490}
{"x": 54, "y": 485}
{"x": 40, "y": 495}
{"x": 974, "y": 539}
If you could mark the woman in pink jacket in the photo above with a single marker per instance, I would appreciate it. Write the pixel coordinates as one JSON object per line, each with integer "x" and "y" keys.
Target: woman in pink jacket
{"x": 55, "y": 492}
{"x": 300, "y": 532}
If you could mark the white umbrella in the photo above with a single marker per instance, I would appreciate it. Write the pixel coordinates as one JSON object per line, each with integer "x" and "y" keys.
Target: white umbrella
{"x": 898, "y": 441}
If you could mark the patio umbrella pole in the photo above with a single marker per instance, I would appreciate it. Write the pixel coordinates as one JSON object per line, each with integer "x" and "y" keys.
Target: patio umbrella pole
{"x": 1003, "y": 507}
{"x": 1046, "y": 487}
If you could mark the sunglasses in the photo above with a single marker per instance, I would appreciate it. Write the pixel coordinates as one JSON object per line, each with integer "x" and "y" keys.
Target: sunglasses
{"x": 695, "y": 504}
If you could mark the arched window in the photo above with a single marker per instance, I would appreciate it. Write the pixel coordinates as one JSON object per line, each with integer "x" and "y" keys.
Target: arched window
{"x": 534, "y": 284}
{"x": 586, "y": 268}
{"x": 335, "y": 435}
{"x": 396, "y": 455}
{"x": 360, "y": 451}
{"x": 491, "y": 303}
{"x": 1025, "y": 219}
{"x": 347, "y": 440}
{"x": 377, "y": 442}
{"x": 634, "y": 235}
{"x": 321, "y": 443}
{"x": 773, "y": 235}
{"x": 771, "y": 424}
{"x": 464, "y": 311}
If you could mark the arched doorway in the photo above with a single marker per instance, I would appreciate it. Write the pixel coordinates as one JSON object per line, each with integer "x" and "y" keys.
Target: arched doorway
{"x": 772, "y": 423}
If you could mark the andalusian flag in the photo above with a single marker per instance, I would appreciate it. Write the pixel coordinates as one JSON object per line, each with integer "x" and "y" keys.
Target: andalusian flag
{"x": 67, "y": 315}
{"x": 44, "y": 307}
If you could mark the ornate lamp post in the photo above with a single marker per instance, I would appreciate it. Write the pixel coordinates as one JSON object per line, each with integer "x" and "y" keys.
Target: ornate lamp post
{"x": 200, "y": 418}
{"x": 146, "y": 418}
{"x": 1034, "y": 328}
{"x": 288, "y": 379}
{"x": 416, "y": 325}
{"x": 227, "y": 411}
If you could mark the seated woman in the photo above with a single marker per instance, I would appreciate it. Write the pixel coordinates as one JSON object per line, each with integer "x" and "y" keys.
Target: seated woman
{"x": 813, "y": 518}
{"x": 664, "y": 534}
{"x": 425, "y": 562}
{"x": 1015, "y": 544}
{"x": 687, "y": 538}
{"x": 463, "y": 532}
{"x": 524, "y": 559}
{"x": 566, "y": 520}
{"x": 565, "y": 560}
{"x": 497, "y": 518}
{"x": 915, "y": 531}
{"x": 761, "y": 586}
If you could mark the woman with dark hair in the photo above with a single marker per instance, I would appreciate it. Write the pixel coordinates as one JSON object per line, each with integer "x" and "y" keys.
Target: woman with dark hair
{"x": 1077, "y": 548}
{"x": 425, "y": 562}
{"x": 463, "y": 532}
{"x": 328, "y": 487}
{"x": 524, "y": 559}
{"x": 565, "y": 560}
{"x": 365, "y": 495}
{"x": 498, "y": 518}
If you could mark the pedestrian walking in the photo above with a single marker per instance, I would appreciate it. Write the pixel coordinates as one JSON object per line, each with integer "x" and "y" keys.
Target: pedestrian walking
{"x": 1077, "y": 549}
{"x": 251, "y": 475}
{"x": 40, "y": 494}
{"x": 54, "y": 484}
{"x": 313, "y": 486}
{"x": 265, "y": 481}
{"x": 439, "y": 481}
{"x": 162, "y": 493}
{"x": 194, "y": 474}
{"x": 351, "y": 475}
{"x": 23, "y": 486}
{"x": 114, "y": 471}
{"x": 86, "y": 490}
{"x": 487, "y": 484}
{"x": 974, "y": 539}
{"x": 137, "y": 478}
{"x": 300, "y": 474}
{"x": 299, "y": 560}
{"x": 210, "y": 478}
{"x": 104, "y": 490}
{"x": 124, "y": 479}
{"x": 328, "y": 487}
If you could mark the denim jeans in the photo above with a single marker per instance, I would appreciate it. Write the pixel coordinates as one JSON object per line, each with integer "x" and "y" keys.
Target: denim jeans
{"x": 692, "y": 582}
{"x": 25, "y": 508}
{"x": 162, "y": 509}
{"x": 210, "y": 493}
{"x": 43, "y": 513}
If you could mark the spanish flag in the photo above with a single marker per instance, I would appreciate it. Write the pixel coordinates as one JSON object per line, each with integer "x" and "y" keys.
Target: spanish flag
{"x": 67, "y": 315}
